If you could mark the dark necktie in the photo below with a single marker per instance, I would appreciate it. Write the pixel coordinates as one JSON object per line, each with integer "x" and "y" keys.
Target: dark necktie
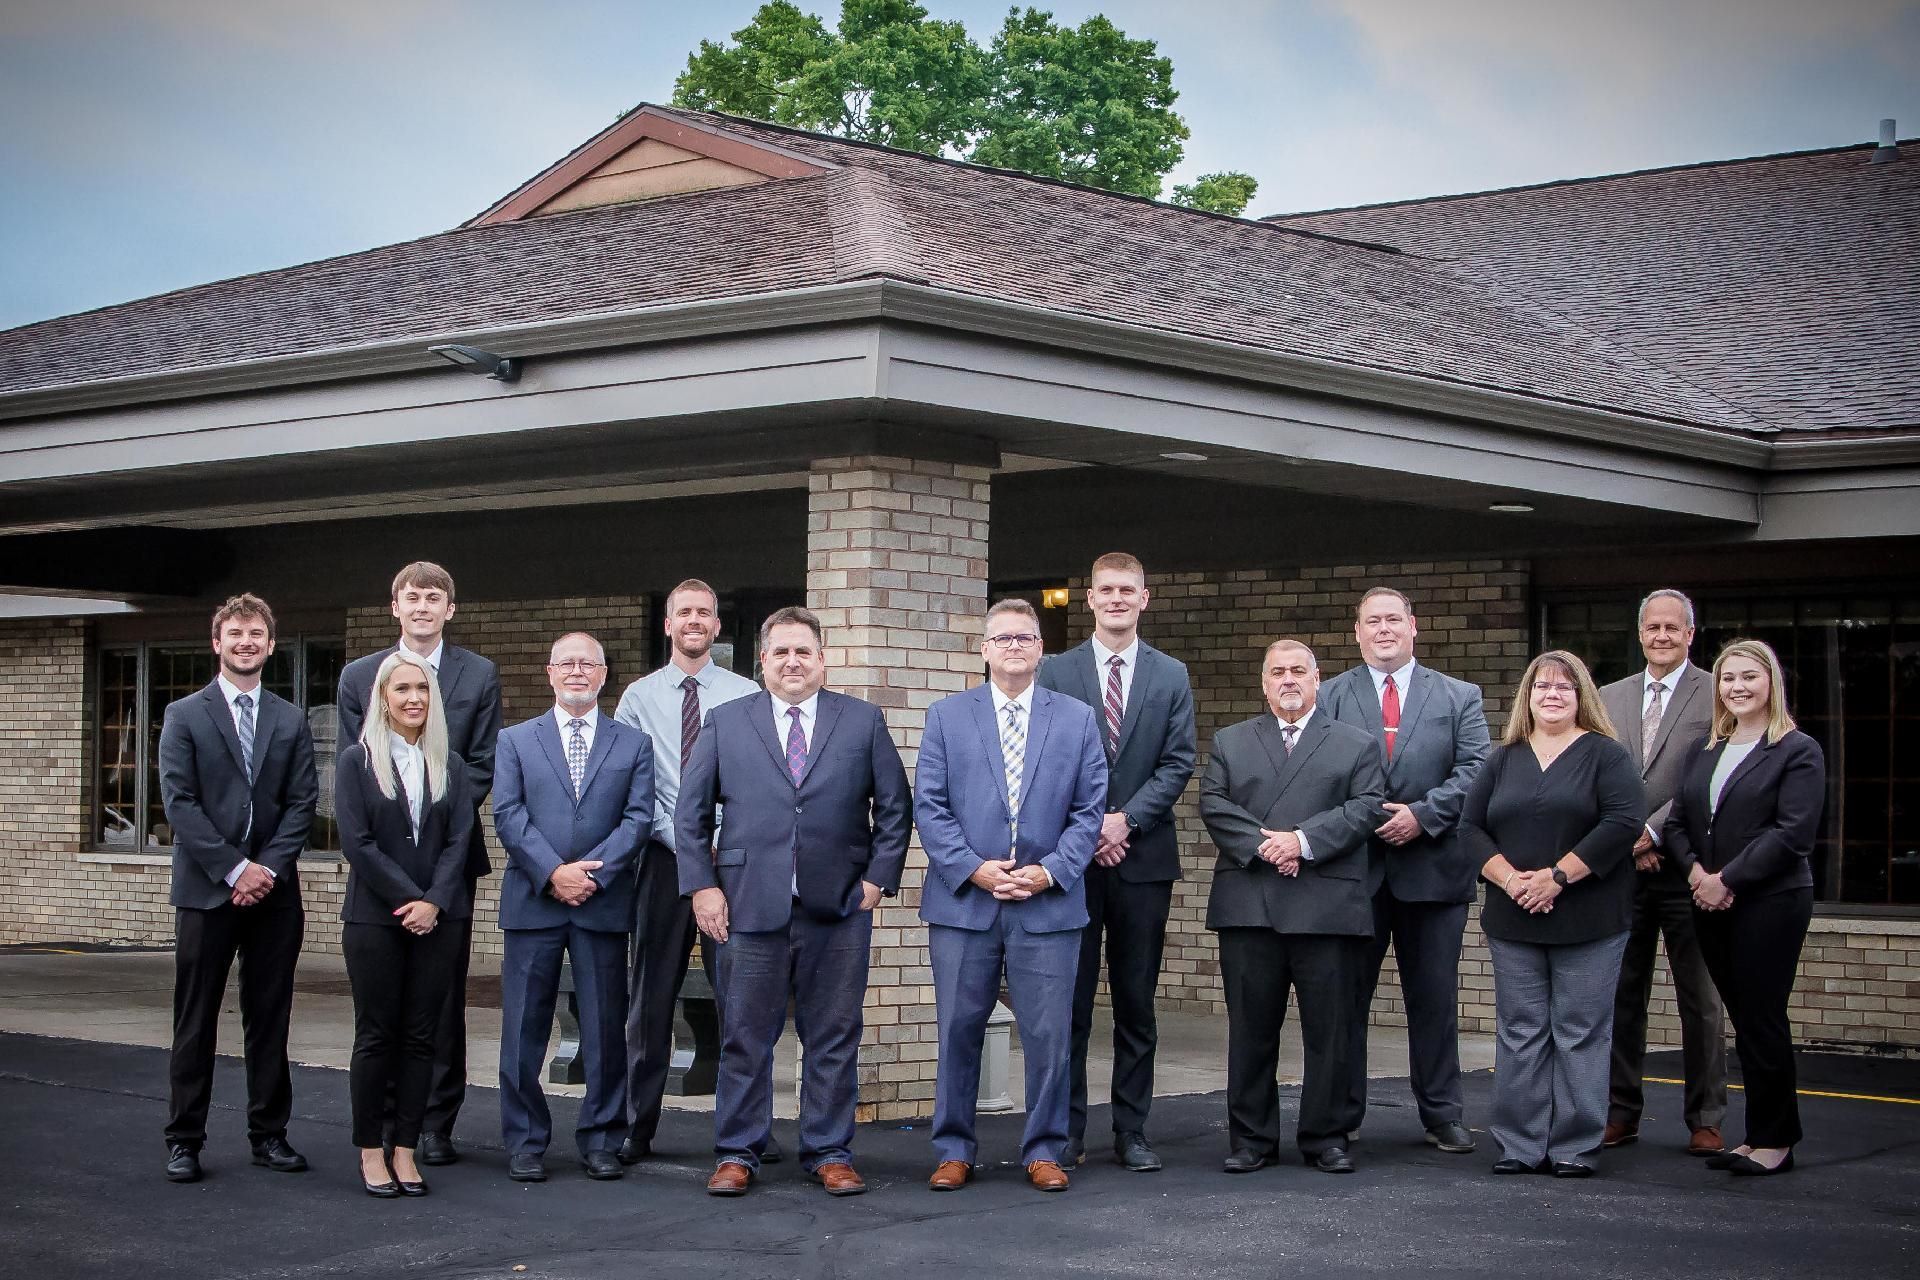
{"x": 244, "y": 727}
{"x": 689, "y": 718}
{"x": 796, "y": 746}
{"x": 1288, "y": 733}
{"x": 1390, "y": 714}
{"x": 1115, "y": 711}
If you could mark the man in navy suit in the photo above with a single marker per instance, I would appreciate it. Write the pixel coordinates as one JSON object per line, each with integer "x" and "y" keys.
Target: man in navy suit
{"x": 814, "y": 815}
{"x": 1145, "y": 708}
{"x": 1009, "y": 793}
{"x": 572, "y": 804}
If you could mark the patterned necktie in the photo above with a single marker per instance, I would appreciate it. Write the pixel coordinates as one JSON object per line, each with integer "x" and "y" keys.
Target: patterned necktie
{"x": 1013, "y": 749}
{"x": 1113, "y": 708}
{"x": 577, "y": 753}
{"x": 689, "y": 718}
{"x": 1650, "y": 721}
{"x": 1287, "y": 735}
{"x": 796, "y": 746}
{"x": 1390, "y": 714}
{"x": 245, "y": 729}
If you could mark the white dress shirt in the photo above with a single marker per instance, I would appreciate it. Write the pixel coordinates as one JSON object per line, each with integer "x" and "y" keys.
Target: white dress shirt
{"x": 1401, "y": 678}
{"x": 1129, "y": 663}
{"x": 565, "y": 719}
{"x": 1306, "y": 849}
{"x": 410, "y": 766}
{"x": 783, "y": 725}
{"x": 1023, "y": 700}
{"x": 652, "y": 703}
{"x": 230, "y": 691}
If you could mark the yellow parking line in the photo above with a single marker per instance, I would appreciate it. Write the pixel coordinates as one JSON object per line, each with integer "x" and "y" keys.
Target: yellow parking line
{"x": 1814, "y": 1093}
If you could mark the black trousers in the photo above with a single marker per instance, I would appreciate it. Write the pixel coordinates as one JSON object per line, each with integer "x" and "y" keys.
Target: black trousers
{"x": 449, "y": 1088}
{"x": 1753, "y": 950}
{"x": 1131, "y": 921}
{"x": 1258, "y": 967}
{"x": 1426, "y": 946}
{"x": 662, "y": 940}
{"x": 1664, "y": 908}
{"x": 267, "y": 941}
{"x": 400, "y": 982}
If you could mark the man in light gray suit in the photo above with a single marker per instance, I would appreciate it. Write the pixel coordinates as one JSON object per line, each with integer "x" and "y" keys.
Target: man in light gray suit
{"x": 1432, "y": 730}
{"x": 1661, "y": 715}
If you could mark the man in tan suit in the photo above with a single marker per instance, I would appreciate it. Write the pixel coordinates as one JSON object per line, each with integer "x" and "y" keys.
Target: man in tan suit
{"x": 1661, "y": 715}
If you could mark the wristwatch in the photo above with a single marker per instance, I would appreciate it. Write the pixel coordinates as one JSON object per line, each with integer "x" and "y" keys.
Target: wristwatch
{"x": 1560, "y": 877}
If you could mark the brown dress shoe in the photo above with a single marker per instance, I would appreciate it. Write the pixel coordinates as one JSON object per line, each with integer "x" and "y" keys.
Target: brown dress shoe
{"x": 1619, "y": 1135}
{"x": 839, "y": 1179}
{"x": 1045, "y": 1175}
{"x": 1706, "y": 1141}
{"x": 729, "y": 1179}
{"x": 951, "y": 1175}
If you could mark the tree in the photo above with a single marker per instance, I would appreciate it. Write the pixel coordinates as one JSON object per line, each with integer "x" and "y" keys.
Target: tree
{"x": 1228, "y": 193}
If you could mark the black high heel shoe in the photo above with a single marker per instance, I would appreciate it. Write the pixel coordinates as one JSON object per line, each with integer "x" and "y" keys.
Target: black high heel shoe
{"x": 389, "y": 1190}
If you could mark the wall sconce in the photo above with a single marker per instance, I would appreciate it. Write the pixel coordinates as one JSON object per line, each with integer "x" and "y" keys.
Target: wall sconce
{"x": 1054, "y": 598}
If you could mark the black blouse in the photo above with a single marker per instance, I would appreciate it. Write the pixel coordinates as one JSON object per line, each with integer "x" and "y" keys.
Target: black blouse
{"x": 1588, "y": 802}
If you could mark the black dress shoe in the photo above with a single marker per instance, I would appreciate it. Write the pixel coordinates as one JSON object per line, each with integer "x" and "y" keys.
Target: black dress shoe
{"x": 1571, "y": 1169}
{"x": 773, "y": 1154}
{"x": 1725, "y": 1160}
{"x": 634, "y": 1150}
{"x": 1332, "y": 1160}
{"x": 183, "y": 1163}
{"x": 388, "y": 1190}
{"x": 1511, "y": 1165}
{"x": 436, "y": 1149}
{"x": 1748, "y": 1167}
{"x": 1245, "y": 1160}
{"x": 1451, "y": 1137}
{"x": 278, "y": 1156}
{"x": 603, "y": 1166}
{"x": 527, "y": 1166}
{"x": 1132, "y": 1150}
{"x": 1074, "y": 1154}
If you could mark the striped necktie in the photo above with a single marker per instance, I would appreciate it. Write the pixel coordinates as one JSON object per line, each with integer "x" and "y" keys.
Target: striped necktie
{"x": 1013, "y": 749}
{"x": 1114, "y": 710}
{"x": 689, "y": 718}
{"x": 244, "y": 727}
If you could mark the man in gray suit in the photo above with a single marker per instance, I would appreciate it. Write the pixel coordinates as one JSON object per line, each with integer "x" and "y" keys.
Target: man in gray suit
{"x": 1290, "y": 798}
{"x": 1145, "y": 708}
{"x": 1433, "y": 732}
{"x": 1661, "y": 715}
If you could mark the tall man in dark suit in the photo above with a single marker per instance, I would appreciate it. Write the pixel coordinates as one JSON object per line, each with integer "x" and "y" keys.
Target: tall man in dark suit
{"x": 1433, "y": 731}
{"x": 1290, "y": 798}
{"x": 1144, "y": 705}
{"x": 1661, "y": 715}
{"x": 422, "y": 602}
{"x": 238, "y": 784}
{"x": 815, "y": 819}
{"x": 1009, "y": 791}
{"x": 572, "y": 803}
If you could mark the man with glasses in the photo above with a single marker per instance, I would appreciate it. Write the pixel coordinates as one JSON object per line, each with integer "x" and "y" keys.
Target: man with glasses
{"x": 1008, "y": 797}
{"x": 572, "y": 804}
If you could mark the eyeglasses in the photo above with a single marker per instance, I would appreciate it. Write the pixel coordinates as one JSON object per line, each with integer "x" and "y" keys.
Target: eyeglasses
{"x": 1018, "y": 640}
{"x": 1551, "y": 686}
{"x": 573, "y": 665}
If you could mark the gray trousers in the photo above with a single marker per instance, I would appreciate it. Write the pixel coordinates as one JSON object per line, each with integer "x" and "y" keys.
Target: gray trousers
{"x": 1554, "y": 1006}
{"x": 1662, "y": 909}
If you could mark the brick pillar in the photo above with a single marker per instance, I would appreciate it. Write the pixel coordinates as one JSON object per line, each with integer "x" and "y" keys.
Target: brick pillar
{"x": 897, "y": 571}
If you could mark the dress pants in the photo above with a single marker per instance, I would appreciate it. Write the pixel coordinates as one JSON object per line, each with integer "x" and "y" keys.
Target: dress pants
{"x": 823, "y": 966}
{"x": 1753, "y": 950}
{"x": 400, "y": 982}
{"x": 1039, "y": 970}
{"x": 1554, "y": 1008}
{"x": 267, "y": 940}
{"x": 529, "y": 988}
{"x": 1131, "y": 920}
{"x": 1665, "y": 909}
{"x": 663, "y": 937}
{"x": 1258, "y": 966}
{"x": 1426, "y": 947}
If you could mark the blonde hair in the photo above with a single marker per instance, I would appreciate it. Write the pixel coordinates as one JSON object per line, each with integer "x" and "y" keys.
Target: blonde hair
{"x": 377, "y": 733}
{"x": 1588, "y": 713}
{"x": 1779, "y": 723}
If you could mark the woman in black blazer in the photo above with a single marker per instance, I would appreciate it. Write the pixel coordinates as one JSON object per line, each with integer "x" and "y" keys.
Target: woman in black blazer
{"x": 1743, "y": 827}
{"x": 401, "y": 803}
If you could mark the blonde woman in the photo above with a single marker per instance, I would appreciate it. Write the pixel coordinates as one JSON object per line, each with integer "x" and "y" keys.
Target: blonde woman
{"x": 1743, "y": 827}
{"x": 1553, "y": 817}
{"x": 401, "y": 802}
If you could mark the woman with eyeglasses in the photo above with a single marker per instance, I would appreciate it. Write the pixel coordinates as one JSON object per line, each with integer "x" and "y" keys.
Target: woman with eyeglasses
{"x": 1553, "y": 816}
{"x": 1743, "y": 826}
{"x": 401, "y": 803}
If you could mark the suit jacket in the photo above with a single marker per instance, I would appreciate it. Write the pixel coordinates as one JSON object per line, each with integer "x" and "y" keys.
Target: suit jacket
{"x": 1330, "y": 789}
{"x": 389, "y": 867}
{"x": 209, "y": 798}
{"x": 1761, "y": 836}
{"x": 1683, "y": 727}
{"x": 960, "y": 807}
{"x": 470, "y": 692}
{"x": 541, "y": 825}
{"x": 847, "y": 820}
{"x": 1146, "y": 776}
{"x": 1440, "y": 746}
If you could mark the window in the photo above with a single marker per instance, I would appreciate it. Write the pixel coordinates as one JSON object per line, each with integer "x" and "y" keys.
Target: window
{"x": 137, "y": 681}
{"x": 1853, "y": 683}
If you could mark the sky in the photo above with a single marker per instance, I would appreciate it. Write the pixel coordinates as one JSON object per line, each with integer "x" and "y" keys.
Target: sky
{"x": 153, "y": 144}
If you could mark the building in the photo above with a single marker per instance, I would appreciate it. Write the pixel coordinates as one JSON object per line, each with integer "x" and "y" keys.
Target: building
{"x": 896, "y": 386}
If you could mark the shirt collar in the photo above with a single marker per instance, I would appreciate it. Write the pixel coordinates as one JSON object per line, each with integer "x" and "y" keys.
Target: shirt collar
{"x": 1400, "y": 676}
{"x": 1671, "y": 680}
{"x": 1128, "y": 656}
{"x": 431, "y": 659}
{"x": 400, "y": 749}
{"x": 1300, "y": 724}
{"x": 564, "y": 717}
{"x": 1000, "y": 700}
{"x": 807, "y": 707}
{"x": 704, "y": 677}
{"x": 229, "y": 690}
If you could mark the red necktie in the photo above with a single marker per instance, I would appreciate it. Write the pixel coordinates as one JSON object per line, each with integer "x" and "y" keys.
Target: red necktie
{"x": 1390, "y": 714}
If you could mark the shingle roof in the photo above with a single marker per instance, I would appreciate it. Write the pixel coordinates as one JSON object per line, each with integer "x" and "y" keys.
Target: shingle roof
{"x": 1788, "y": 284}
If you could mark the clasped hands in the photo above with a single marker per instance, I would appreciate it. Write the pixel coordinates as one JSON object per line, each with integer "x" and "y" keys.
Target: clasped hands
{"x": 1282, "y": 850}
{"x": 1009, "y": 883}
{"x": 572, "y": 883}
{"x": 1111, "y": 849}
{"x": 418, "y": 917}
{"x": 1534, "y": 890}
{"x": 1646, "y": 855}
{"x": 251, "y": 885}
{"x": 1710, "y": 892}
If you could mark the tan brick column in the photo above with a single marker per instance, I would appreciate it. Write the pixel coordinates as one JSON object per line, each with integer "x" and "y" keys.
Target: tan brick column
{"x": 897, "y": 571}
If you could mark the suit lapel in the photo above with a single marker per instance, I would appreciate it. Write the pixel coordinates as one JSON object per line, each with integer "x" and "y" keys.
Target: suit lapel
{"x": 452, "y": 666}
{"x": 762, "y": 717}
{"x": 1038, "y": 723}
{"x": 989, "y": 730}
{"x": 1684, "y": 693}
{"x": 547, "y": 732}
{"x": 1267, "y": 732}
{"x": 826, "y": 714}
{"x": 1411, "y": 706}
{"x": 222, "y": 716}
{"x": 603, "y": 732}
{"x": 1618, "y": 704}
{"x": 1741, "y": 770}
{"x": 1142, "y": 684}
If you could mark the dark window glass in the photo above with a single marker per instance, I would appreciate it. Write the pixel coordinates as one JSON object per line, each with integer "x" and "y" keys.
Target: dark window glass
{"x": 118, "y": 825}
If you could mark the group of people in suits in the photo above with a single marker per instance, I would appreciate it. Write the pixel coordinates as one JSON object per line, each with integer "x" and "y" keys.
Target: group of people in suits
{"x": 769, "y": 820}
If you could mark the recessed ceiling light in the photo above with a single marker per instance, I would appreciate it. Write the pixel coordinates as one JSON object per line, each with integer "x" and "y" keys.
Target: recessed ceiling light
{"x": 1511, "y": 508}
{"x": 1182, "y": 455}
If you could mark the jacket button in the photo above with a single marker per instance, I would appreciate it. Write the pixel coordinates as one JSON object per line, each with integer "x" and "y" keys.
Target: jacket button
{"x": 797, "y": 809}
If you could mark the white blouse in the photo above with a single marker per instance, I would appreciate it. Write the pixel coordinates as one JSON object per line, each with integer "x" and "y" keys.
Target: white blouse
{"x": 1729, "y": 761}
{"x": 411, "y": 765}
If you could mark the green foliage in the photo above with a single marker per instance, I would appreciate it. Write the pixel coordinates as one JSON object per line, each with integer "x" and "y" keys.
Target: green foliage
{"x": 1228, "y": 193}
